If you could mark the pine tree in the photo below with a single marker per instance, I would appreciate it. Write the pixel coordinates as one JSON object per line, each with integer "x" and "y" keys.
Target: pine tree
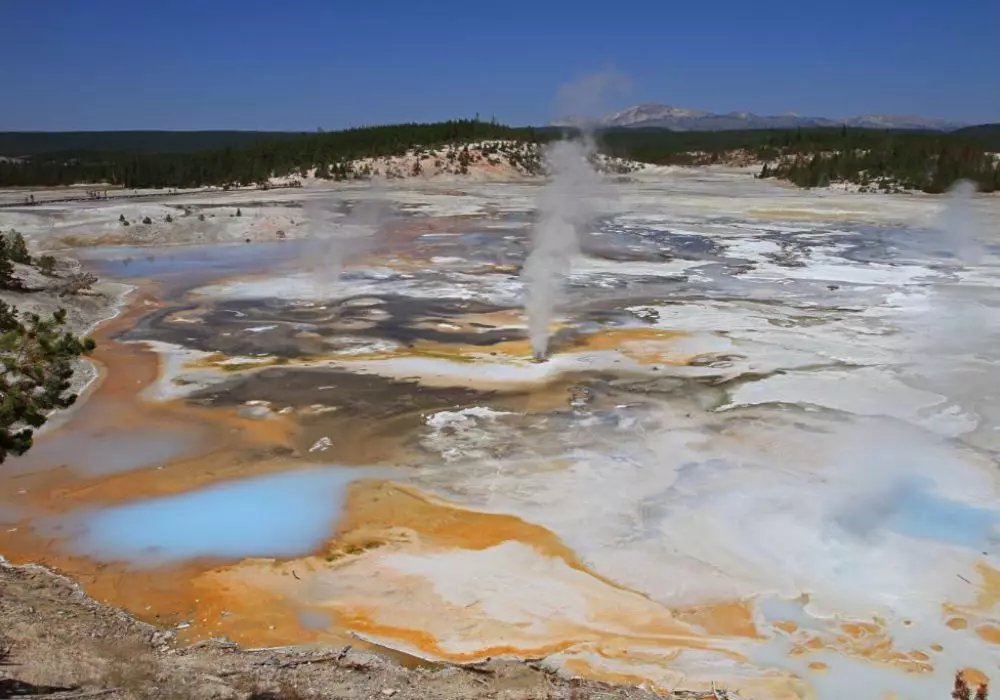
{"x": 36, "y": 365}
{"x": 17, "y": 248}
{"x": 46, "y": 265}
{"x": 7, "y": 280}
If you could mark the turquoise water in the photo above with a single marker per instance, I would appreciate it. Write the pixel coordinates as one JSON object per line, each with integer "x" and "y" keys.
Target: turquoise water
{"x": 913, "y": 509}
{"x": 917, "y": 512}
{"x": 278, "y": 515}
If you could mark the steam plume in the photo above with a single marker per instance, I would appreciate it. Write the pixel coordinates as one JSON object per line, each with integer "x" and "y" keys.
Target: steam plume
{"x": 332, "y": 238}
{"x": 566, "y": 204}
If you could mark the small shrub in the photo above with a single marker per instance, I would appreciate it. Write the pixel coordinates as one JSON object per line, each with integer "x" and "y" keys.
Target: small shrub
{"x": 78, "y": 282}
{"x": 121, "y": 220}
{"x": 147, "y": 220}
{"x": 7, "y": 280}
{"x": 47, "y": 265}
{"x": 169, "y": 219}
{"x": 17, "y": 248}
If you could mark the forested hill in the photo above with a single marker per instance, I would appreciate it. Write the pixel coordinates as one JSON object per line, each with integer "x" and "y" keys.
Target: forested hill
{"x": 987, "y": 135}
{"x": 249, "y": 164}
{"x": 32, "y": 143}
{"x": 880, "y": 159}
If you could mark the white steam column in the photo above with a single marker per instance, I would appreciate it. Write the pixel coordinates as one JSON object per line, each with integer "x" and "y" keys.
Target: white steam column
{"x": 566, "y": 204}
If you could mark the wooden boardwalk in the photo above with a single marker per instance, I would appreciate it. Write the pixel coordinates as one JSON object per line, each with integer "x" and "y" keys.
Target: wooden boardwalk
{"x": 126, "y": 196}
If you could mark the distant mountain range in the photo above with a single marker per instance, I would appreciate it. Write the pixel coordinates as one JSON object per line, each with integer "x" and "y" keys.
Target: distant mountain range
{"x": 680, "y": 119}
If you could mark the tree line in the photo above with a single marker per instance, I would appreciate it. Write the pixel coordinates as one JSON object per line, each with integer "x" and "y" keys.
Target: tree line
{"x": 250, "y": 164}
{"x": 31, "y": 143}
{"x": 924, "y": 160}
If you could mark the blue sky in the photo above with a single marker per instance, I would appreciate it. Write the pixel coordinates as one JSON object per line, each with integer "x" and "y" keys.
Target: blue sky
{"x": 303, "y": 64}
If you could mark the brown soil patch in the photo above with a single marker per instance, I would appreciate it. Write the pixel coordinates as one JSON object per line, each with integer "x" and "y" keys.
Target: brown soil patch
{"x": 867, "y": 641}
{"x": 974, "y": 677}
{"x": 989, "y": 633}
{"x": 957, "y": 623}
{"x": 731, "y": 618}
{"x": 857, "y": 630}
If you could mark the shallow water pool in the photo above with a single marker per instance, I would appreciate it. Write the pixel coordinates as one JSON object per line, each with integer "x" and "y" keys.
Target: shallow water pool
{"x": 137, "y": 262}
{"x": 277, "y": 515}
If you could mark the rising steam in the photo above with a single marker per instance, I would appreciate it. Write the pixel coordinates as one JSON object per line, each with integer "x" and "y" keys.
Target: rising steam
{"x": 565, "y": 205}
{"x": 584, "y": 100}
{"x": 960, "y": 229}
{"x": 332, "y": 237}
{"x": 568, "y": 202}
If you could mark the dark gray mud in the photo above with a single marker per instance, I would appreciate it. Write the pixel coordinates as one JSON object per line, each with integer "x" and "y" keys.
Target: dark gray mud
{"x": 283, "y": 329}
{"x": 357, "y": 395}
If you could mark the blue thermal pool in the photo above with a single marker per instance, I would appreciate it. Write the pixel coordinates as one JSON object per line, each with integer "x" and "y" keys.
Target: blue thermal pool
{"x": 917, "y": 512}
{"x": 277, "y": 515}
